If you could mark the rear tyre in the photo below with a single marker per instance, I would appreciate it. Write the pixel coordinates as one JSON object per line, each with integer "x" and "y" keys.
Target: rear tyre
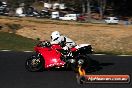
{"x": 81, "y": 79}
{"x": 34, "y": 63}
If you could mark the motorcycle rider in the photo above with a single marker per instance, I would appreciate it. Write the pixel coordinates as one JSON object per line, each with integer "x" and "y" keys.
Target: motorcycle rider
{"x": 57, "y": 38}
{"x": 65, "y": 42}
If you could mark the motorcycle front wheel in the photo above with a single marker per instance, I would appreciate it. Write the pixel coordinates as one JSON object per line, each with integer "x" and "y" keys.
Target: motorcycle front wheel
{"x": 34, "y": 63}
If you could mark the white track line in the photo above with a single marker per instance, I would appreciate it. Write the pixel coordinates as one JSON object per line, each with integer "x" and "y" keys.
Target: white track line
{"x": 99, "y": 54}
{"x": 5, "y": 50}
{"x": 124, "y": 55}
{"x": 11, "y": 50}
{"x": 27, "y": 51}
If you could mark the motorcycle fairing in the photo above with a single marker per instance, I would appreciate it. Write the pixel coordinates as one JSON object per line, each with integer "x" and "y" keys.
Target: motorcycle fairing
{"x": 51, "y": 56}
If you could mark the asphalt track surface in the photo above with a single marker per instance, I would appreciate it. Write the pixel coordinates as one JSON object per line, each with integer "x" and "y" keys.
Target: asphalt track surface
{"x": 14, "y": 75}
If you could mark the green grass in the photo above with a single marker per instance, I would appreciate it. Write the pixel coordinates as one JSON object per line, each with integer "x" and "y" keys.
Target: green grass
{"x": 15, "y": 42}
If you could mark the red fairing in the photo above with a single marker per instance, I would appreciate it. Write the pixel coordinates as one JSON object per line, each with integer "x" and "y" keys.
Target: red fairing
{"x": 51, "y": 56}
{"x": 56, "y": 46}
{"x": 73, "y": 49}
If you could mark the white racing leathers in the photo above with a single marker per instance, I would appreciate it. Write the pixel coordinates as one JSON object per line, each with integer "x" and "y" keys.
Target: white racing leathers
{"x": 69, "y": 43}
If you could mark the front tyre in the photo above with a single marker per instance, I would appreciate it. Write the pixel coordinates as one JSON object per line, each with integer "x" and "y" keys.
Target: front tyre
{"x": 34, "y": 63}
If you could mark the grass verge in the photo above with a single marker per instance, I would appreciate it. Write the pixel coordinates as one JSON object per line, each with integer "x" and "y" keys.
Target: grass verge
{"x": 14, "y": 42}
{"x": 11, "y": 41}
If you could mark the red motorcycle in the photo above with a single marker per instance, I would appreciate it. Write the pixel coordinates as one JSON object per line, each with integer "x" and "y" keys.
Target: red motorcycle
{"x": 53, "y": 56}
